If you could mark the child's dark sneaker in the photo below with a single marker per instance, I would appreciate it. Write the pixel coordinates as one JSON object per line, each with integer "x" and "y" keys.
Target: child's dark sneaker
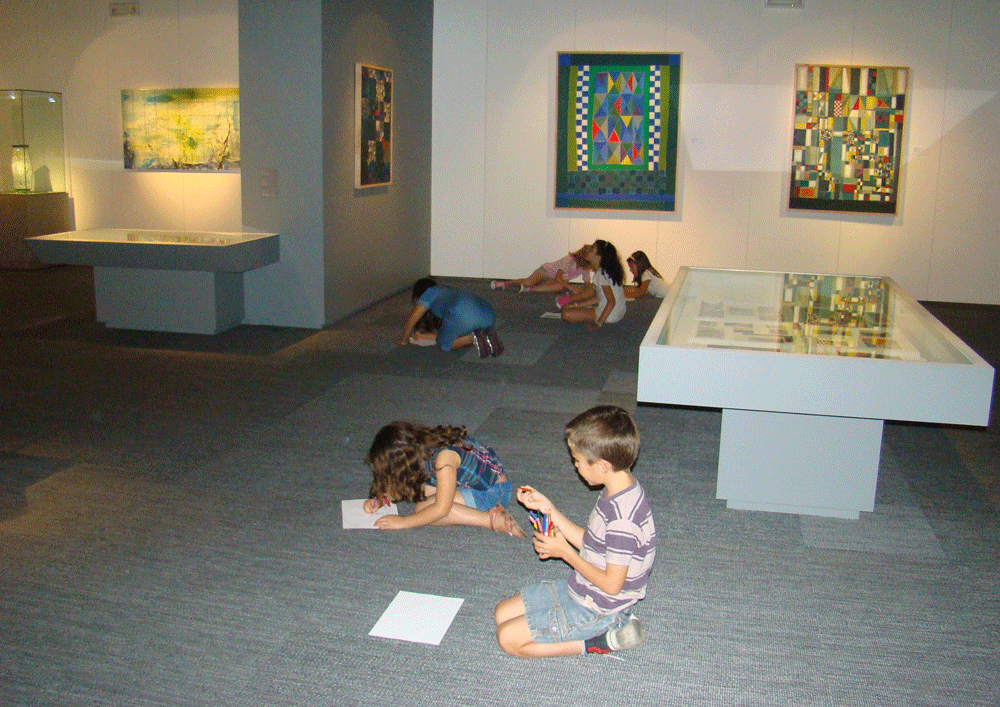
{"x": 482, "y": 343}
{"x": 631, "y": 635}
{"x": 496, "y": 346}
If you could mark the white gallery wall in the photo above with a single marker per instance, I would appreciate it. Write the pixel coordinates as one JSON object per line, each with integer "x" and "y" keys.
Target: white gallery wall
{"x": 77, "y": 48}
{"x": 494, "y": 125}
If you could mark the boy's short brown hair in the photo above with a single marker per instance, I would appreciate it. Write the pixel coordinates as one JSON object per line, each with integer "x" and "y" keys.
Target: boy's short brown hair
{"x": 605, "y": 432}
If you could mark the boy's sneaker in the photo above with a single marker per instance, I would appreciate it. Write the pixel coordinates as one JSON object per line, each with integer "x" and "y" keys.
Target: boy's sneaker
{"x": 562, "y": 301}
{"x": 493, "y": 339}
{"x": 631, "y": 635}
{"x": 526, "y": 288}
{"x": 482, "y": 343}
{"x": 498, "y": 285}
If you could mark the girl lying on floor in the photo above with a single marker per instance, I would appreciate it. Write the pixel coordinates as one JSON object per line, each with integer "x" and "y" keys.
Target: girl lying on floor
{"x": 554, "y": 276}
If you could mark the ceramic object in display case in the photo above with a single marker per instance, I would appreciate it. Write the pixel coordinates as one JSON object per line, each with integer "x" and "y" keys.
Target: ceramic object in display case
{"x": 31, "y": 128}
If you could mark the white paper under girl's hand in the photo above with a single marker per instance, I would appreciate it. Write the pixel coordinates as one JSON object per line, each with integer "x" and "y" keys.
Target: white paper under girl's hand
{"x": 357, "y": 517}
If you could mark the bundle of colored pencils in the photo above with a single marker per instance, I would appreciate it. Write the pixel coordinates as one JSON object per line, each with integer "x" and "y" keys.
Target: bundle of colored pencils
{"x": 541, "y": 522}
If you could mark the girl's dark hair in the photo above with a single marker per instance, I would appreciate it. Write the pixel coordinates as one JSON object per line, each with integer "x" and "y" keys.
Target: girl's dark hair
{"x": 609, "y": 262}
{"x": 580, "y": 257}
{"x": 428, "y": 323}
{"x": 421, "y": 286}
{"x": 642, "y": 264}
{"x": 398, "y": 458}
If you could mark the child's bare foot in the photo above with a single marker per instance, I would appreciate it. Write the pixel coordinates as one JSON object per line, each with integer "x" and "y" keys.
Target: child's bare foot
{"x": 503, "y": 522}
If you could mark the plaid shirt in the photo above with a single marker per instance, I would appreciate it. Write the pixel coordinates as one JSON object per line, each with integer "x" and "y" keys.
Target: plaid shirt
{"x": 479, "y": 469}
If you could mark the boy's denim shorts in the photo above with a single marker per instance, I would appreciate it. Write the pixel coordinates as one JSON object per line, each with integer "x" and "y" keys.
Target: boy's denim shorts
{"x": 485, "y": 500}
{"x": 553, "y": 616}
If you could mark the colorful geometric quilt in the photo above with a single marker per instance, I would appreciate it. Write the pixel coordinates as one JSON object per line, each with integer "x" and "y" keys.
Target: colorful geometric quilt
{"x": 848, "y": 138}
{"x": 616, "y": 131}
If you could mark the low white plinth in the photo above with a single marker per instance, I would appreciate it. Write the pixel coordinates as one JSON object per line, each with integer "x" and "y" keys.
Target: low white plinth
{"x": 806, "y": 368}
{"x": 188, "y": 302}
{"x": 178, "y": 281}
{"x": 810, "y": 464}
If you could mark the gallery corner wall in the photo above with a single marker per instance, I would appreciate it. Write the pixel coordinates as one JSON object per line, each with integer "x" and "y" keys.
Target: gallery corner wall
{"x": 341, "y": 248}
{"x": 377, "y": 238}
{"x": 281, "y": 110}
{"x": 494, "y": 87}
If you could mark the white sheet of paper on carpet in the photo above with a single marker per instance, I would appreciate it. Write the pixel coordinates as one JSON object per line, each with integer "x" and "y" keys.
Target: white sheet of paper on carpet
{"x": 353, "y": 511}
{"x": 419, "y": 618}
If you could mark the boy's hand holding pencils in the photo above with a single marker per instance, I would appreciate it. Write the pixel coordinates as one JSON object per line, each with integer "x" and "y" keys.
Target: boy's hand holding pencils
{"x": 548, "y": 541}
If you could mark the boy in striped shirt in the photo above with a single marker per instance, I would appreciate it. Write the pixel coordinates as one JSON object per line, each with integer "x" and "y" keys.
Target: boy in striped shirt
{"x": 590, "y": 612}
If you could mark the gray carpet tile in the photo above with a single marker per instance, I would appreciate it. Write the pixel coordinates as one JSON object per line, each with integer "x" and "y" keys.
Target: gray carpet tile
{"x": 892, "y": 530}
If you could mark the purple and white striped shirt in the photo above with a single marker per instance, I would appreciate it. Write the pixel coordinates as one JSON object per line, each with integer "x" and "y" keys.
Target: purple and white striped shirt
{"x": 620, "y": 531}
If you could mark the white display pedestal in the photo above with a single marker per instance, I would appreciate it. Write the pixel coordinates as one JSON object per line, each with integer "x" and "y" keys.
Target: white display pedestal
{"x": 168, "y": 300}
{"x": 177, "y": 281}
{"x": 806, "y": 368}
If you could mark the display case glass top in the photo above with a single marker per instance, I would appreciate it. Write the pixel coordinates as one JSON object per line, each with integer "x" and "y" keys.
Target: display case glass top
{"x": 804, "y": 313}
{"x": 31, "y": 131}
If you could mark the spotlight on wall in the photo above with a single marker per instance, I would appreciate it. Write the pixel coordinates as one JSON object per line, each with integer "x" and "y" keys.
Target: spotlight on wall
{"x": 124, "y": 9}
{"x": 788, "y": 4}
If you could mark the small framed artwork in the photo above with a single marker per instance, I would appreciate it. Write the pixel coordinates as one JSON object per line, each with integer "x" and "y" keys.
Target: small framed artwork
{"x": 616, "y": 131}
{"x": 847, "y": 143}
{"x": 372, "y": 126}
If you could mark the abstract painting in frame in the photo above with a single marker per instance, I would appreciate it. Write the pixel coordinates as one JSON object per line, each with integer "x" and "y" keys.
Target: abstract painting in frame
{"x": 372, "y": 126}
{"x": 181, "y": 129}
{"x": 616, "y": 131}
{"x": 847, "y": 143}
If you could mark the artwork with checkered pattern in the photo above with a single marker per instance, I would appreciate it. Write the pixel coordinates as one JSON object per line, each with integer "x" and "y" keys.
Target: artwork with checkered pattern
{"x": 372, "y": 126}
{"x": 616, "y": 131}
{"x": 847, "y": 144}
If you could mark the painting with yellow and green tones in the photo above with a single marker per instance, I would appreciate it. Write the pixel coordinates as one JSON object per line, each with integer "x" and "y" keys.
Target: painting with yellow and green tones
{"x": 181, "y": 129}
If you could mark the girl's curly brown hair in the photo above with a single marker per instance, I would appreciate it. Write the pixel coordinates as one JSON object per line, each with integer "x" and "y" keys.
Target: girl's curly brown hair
{"x": 398, "y": 457}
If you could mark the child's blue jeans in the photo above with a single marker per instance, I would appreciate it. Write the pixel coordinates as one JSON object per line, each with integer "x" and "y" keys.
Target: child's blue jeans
{"x": 553, "y": 616}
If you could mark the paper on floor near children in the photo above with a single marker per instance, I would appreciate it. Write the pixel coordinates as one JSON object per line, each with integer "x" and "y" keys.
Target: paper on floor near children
{"x": 419, "y": 618}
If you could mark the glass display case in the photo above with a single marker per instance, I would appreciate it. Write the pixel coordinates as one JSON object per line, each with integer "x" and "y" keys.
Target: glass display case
{"x": 31, "y": 128}
{"x": 806, "y": 367}
{"x": 33, "y": 194}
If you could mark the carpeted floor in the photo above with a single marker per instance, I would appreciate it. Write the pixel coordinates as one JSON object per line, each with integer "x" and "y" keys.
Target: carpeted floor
{"x": 170, "y": 528}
